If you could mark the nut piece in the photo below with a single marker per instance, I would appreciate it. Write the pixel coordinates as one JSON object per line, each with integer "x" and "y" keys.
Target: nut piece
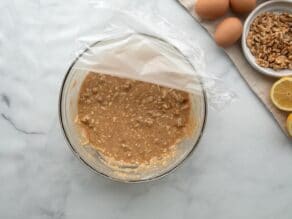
{"x": 270, "y": 40}
{"x": 180, "y": 122}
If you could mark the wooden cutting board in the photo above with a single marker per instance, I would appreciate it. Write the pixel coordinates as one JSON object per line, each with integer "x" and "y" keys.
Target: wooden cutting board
{"x": 258, "y": 83}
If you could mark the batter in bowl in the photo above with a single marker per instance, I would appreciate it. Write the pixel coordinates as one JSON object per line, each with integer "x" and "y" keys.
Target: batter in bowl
{"x": 131, "y": 121}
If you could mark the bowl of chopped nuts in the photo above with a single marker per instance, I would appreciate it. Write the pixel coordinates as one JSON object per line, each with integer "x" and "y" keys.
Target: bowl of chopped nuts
{"x": 267, "y": 37}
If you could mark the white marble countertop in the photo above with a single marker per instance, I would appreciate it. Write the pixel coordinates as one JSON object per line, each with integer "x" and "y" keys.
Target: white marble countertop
{"x": 242, "y": 168}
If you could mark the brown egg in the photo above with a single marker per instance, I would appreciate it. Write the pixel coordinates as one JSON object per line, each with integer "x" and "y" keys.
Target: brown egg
{"x": 211, "y": 9}
{"x": 242, "y": 6}
{"x": 228, "y": 32}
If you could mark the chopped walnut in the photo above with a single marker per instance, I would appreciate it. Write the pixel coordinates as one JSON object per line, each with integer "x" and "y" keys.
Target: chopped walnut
{"x": 270, "y": 40}
{"x": 94, "y": 90}
{"x": 180, "y": 122}
{"x": 85, "y": 119}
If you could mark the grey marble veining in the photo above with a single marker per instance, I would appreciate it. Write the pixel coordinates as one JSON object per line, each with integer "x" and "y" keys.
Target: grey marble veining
{"x": 242, "y": 168}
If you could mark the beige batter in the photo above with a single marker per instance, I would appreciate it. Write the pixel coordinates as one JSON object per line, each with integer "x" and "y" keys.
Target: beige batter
{"x": 132, "y": 121}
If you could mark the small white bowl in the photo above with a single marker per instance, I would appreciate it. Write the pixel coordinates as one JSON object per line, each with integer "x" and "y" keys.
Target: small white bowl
{"x": 272, "y": 6}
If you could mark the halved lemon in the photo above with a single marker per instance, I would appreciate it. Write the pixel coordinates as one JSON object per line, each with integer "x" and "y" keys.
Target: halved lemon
{"x": 289, "y": 124}
{"x": 281, "y": 94}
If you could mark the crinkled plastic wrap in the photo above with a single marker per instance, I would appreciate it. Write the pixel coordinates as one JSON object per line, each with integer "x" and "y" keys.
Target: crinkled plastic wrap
{"x": 141, "y": 57}
{"x": 147, "y": 48}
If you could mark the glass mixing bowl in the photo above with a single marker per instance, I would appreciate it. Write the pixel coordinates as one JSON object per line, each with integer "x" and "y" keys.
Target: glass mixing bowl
{"x": 91, "y": 157}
